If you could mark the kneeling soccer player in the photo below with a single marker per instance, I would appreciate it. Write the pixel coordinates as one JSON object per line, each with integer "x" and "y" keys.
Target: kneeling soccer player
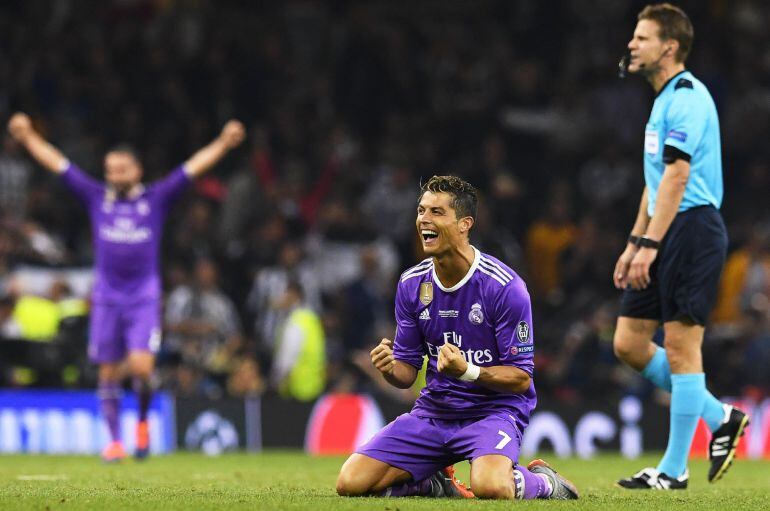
{"x": 471, "y": 315}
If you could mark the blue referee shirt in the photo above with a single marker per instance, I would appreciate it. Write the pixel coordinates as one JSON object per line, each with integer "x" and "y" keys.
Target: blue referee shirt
{"x": 684, "y": 118}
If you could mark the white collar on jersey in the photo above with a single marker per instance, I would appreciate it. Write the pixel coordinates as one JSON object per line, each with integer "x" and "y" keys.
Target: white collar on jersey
{"x": 471, "y": 271}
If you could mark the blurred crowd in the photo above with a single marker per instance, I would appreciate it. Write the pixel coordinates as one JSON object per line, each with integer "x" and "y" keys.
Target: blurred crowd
{"x": 280, "y": 267}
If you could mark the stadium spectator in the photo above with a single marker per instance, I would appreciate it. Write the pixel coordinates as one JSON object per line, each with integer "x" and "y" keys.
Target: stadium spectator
{"x": 546, "y": 240}
{"x": 299, "y": 366}
{"x": 203, "y": 326}
{"x": 15, "y": 175}
{"x": 270, "y": 285}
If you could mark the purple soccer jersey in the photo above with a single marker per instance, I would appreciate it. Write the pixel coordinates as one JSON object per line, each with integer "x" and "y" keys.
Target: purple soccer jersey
{"x": 126, "y": 234}
{"x": 487, "y": 315}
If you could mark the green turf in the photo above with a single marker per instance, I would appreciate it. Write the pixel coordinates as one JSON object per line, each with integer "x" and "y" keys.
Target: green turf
{"x": 290, "y": 480}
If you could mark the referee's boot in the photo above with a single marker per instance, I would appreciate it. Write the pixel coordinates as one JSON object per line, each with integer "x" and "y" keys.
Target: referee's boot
{"x": 724, "y": 442}
{"x": 651, "y": 479}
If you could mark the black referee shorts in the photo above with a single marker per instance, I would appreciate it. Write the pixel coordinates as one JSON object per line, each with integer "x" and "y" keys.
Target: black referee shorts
{"x": 685, "y": 275}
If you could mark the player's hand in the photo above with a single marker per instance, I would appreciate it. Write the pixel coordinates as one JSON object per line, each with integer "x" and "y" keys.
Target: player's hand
{"x": 639, "y": 272}
{"x": 20, "y": 126}
{"x": 233, "y": 133}
{"x": 451, "y": 361}
{"x": 382, "y": 357}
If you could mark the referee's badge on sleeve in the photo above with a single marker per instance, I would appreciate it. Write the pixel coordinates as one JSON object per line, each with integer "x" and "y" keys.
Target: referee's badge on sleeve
{"x": 651, "y": 142}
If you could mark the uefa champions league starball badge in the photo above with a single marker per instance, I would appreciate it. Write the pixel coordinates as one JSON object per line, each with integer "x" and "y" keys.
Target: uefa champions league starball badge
{"x": 475, "y": 316}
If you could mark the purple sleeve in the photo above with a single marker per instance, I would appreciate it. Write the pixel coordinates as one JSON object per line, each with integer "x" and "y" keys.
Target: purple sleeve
{"x": 513, "y": 328}
{"x": 85, "y": 188}
{"x": 165, "y": 191}
{"x": 407, "y": 346}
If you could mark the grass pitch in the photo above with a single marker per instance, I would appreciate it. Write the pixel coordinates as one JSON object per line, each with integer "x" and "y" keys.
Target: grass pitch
{"x": 291, "y": 480}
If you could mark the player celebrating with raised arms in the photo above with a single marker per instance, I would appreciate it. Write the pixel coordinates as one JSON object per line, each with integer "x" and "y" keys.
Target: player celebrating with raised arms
{"x": 471, "y": 315}
{"x": 670, "y": 268}
{"x": 127, "y": 223}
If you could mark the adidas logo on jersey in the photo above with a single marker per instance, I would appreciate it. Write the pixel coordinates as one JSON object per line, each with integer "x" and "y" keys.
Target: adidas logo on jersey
{"x": 425, "y": 314}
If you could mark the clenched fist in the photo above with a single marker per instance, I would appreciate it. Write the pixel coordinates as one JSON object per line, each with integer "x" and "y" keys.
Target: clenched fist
{"x": 233, "y": 133}
{"x": 20, "y": 126}
{"x": 382, "y": 357}
{"x": 451, "y": 361}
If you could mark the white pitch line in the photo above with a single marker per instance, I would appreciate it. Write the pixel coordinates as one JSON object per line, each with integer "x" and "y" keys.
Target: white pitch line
{"x": 41, "y": 477}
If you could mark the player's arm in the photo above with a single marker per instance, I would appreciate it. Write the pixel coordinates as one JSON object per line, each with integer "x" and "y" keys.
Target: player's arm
{"x": 400, "y": 359}
{"x": 399, "y": 374}
{"x": 504, "y": 379}
{"x": 508, "y": 379}
{"x": 199, "y": 163}
{"x": 21, "y": 129}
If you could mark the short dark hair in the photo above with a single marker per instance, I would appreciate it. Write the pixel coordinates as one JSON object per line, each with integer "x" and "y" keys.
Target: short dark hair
{"x": 464, "y": 197}
{"x": 674, "y": 24}
{"x": 126, "y": 149}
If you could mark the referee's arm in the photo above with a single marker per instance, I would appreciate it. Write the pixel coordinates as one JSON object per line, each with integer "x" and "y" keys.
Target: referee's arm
{"x": 621, "y": 273}
{"x": 670, "y": 193}
{"x": 642, "y": 218}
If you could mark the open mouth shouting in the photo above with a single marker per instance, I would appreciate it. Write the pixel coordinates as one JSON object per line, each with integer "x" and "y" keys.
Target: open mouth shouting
{"x": 429, "y": 237}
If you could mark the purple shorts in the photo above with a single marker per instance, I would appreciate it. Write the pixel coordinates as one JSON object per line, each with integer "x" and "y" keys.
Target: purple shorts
{"x": 422, "y": 445}
{"x": 116, "y": 330}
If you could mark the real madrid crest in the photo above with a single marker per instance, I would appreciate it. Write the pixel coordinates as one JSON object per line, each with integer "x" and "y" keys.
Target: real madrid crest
{"x": 426, "y": 293}
{"x": 475, "y": 316}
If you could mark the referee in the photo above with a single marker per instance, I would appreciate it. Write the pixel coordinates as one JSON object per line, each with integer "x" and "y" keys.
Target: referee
{"x": 670, "y": 268}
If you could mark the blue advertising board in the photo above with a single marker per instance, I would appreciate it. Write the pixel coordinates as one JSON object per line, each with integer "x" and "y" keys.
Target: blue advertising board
{"x": 62, "y": 421}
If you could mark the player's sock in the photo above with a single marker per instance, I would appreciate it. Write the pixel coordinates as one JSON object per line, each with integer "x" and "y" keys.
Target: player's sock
{"x": 658, "y": 371}
{"x": 109, "y": 398}
{"x": 143, "y": 391}
{"x": 422, "y": 488}
{"x": 536, "y": 486}
{"x": 688, "y": 393}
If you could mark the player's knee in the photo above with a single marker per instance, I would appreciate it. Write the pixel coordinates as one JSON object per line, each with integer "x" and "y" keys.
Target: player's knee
{"x": 109, "y": 373}
{"x": 140, "y": 369}
{"x": 493, "y": 488}
{"x": 351, "y": 485}
{"x": 490, "y": 484}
